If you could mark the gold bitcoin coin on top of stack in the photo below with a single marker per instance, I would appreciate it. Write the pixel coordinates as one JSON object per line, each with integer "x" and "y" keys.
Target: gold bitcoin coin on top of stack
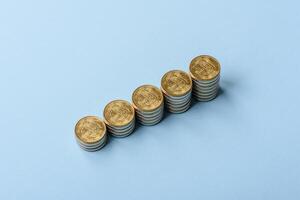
{"x": 148, "y": 102}
{"x": 176, "y": 86}
{"x": 119, "y": 117}
{"x": 90, "y": 133}
{"x": 205, "y": 72}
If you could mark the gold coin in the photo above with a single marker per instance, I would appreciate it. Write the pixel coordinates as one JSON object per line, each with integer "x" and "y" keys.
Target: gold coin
{"x": 90, "y": 129}
{"x": 118, "y": 113}
{"x": 204, "y": 67}
{"x": 147, "y": 98}
{"x": 176, "y": 83}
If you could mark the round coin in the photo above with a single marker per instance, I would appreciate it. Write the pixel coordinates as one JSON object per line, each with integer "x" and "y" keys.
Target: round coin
{"x": 90, "y": 129}
{"x": 118, "y": 113}
{"x": 147, "y": 98}
{"x": 204, "y": 67}
{"x": 176, "y": 83}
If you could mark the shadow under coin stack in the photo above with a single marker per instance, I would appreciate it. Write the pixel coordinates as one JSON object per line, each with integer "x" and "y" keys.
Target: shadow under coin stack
{"x": 119, "y": 117}
{"x": 205, "y": 72}
{"x": 148, "y": 102}
{"x": 176, "y": 86}
{"x": 90, "y": 133}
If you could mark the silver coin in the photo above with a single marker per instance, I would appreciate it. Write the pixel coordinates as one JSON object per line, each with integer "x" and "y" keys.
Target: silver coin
{"x": 124, "y": 134}
{"x": 149, "y": 119}
{"x": 112, "y": 129}
{"x": 121, "y": 127}
{"x": 94, "y": 144}
{"x": 178, "y": 102}
{"x": 201, "y": 98}
{"x": 94, "y": 148}
{"x": 169, "y": 98}
{"x": 151, "y": 112}
{"x": 207, "y": 81}
{"x": 178, "y": 111}
{"x": 205, "y": 95}
{"x": 151, "y": 122}
{"x": 179, "y": 107}
{"x": 172, "y": 105}
{"x": 205, "y": 91}
{"x": 205, "y": 84}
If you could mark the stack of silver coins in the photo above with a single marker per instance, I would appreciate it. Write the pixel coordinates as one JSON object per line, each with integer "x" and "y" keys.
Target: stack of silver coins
{"x": 90, "y": 133}
{"x": 176, "y": 86}
{"x": 119, "y": 117}
{"x": 148, "y": 102}
{"x": 205, "y": 72}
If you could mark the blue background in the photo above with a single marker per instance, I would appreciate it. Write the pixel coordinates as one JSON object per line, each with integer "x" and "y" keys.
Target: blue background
{"x": 62, "y": 60}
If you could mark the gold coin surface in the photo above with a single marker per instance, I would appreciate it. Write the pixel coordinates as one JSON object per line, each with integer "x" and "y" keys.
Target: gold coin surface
{"x": 147, "y": 98}
{"x": 176, "y": 83}
{"x": 204, "y": 67}
{"x": 90, "y": 129}
{"x": 118, "y": 113}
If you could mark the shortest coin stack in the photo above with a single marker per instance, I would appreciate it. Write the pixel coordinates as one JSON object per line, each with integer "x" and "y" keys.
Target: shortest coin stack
{"x": 148, "y": 102}
{"x": 119, "y": 117}
{"x": 177, "y": 88}
{"x": 90, "y": 133}
{"x": 205, "y": 72}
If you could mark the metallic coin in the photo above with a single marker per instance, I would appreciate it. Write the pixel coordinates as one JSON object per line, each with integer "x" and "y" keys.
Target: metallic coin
{"x": 125, "y": 134}
{"x": 202, "y": 83}
{"x": 117, "y": 130}
{"x": 142, "y": 118}
{"x": 154, "y": 112}
{"x": 204, "y": 67}
{"x": 92, "y": 149}
{"x": 149, "y": 116}
{"x": 167, "y": 96}
{"x": 118, "y": 113}
{"x": 180, "y": 106}
{"x": 176, "y": 83}
{"x": 178, "y": 111}
{"x": 92, "y": 145}
{"x": 205, "y": 90}
{"x": 90, "y": 129}
{"x": 178, "y": 102}
{"x": 185, "y": 97}
{"x": 147, "y": 98}
{"x": 151, "y": 123}
{"x": 205, "y": 99}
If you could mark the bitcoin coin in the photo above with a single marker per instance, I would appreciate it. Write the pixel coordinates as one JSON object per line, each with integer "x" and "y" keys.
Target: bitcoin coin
{"x": 176, "y": 86}
{"x": 204, "y": 67}
{"x": 118, "y": 113}
{"x": 148, "y": 102}
{"x": 176, "y": 83}
{"x": 90, "y": 133}
{"x": 147, "y": 98}
{"x": 205, "y": 73}
{"x": 119, "y": 117}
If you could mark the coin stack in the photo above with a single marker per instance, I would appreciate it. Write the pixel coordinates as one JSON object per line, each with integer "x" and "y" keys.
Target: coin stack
{"x": 205, "y": 73}
{"x": 90, "y": 133}
{"x": 176, "y": 86}
{"x": 148, "y": 102}
{"x": 119, "y": 117}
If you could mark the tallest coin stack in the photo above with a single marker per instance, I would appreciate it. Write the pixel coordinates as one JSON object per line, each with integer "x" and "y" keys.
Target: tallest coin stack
{"x": 205, "y": 72}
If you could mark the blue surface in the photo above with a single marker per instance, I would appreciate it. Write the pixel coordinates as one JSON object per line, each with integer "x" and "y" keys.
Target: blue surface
{"x": 62, "y": 60}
